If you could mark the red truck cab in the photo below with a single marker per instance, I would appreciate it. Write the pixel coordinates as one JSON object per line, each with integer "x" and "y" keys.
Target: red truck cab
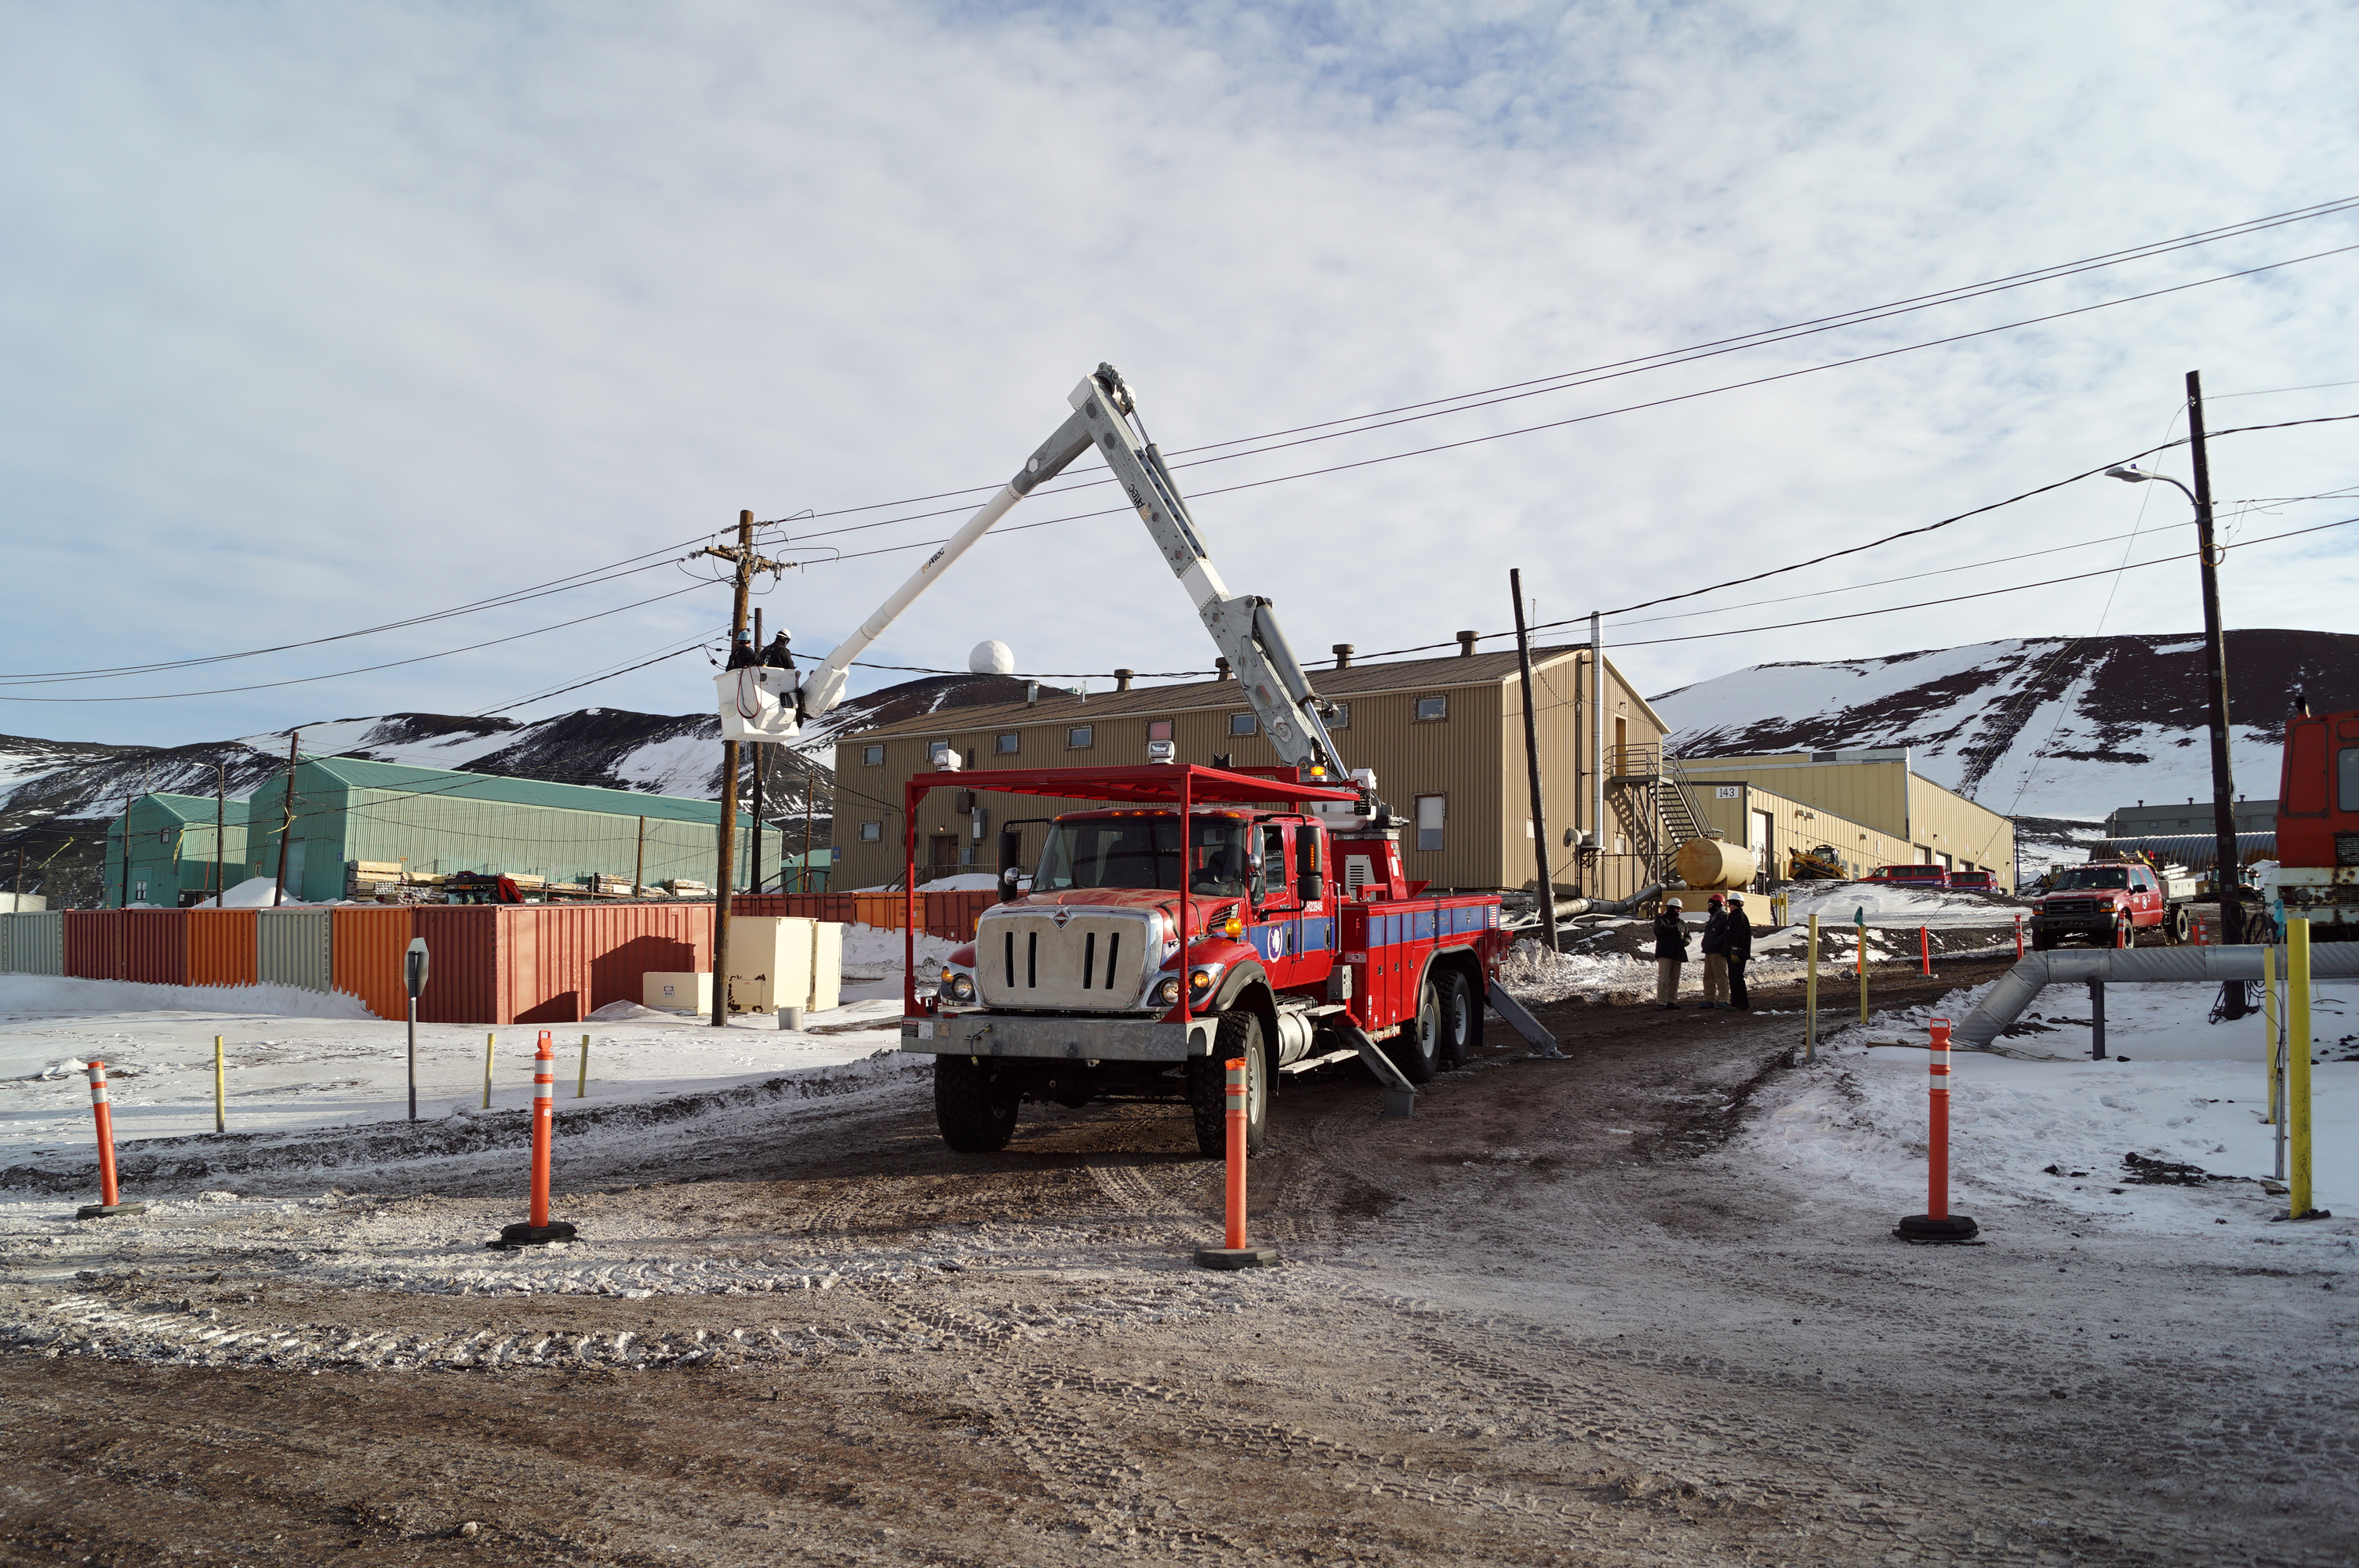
{"x": 1148, "y": 953}
{"x": 2317, "y": 876}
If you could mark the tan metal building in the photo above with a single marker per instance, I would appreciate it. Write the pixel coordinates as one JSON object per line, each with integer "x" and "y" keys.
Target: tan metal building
{"x": 1891, "y": 814}
{"x": 1445, "y": 737}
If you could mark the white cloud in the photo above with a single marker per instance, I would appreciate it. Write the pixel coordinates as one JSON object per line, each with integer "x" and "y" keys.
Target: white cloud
{"x": 321, "y": 318}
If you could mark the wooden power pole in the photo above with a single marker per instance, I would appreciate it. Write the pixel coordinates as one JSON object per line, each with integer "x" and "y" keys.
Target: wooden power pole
{"x": 221, "y": 835}
{"x": 286, "y": 828}
{"x": 1532, "y": 763}
{"x": 2225, "y": 870}
{"x": 745, "y": 560}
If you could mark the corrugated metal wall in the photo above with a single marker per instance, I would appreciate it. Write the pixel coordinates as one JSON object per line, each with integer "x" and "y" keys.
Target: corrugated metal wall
{"x": 449, "y": 833}
{"x": 294, "y": 947}
{"x": 366, "y": 946}
{"x": 36, "y": 944}
{"x": 221, "y": 946}
{"x": 8, "y": 954}
{"x": 93, "y": 944}
{"x": 156, "y": 946}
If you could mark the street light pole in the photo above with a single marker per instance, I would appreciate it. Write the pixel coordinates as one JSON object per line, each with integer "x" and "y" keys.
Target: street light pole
{"x": 2225, "y": 871}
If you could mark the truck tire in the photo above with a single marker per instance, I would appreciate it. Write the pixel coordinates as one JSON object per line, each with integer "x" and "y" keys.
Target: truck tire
{"x": 975, "y": 1109}
{"x": 1208, "y": 1085}
{"x": 1417, "y": 1049}
{"x": 2177, "y": 928}
{"x": 1461, "y": 1020}
{"x": 2041, "y": 941}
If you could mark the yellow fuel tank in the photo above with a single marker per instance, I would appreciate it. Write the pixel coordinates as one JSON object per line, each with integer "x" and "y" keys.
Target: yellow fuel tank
{"x": 1709, "y": 863}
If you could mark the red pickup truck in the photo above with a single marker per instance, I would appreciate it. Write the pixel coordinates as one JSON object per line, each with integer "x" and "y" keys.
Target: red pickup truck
{"x": 2107, "y": 902}
{"x": 1913, "y": 876}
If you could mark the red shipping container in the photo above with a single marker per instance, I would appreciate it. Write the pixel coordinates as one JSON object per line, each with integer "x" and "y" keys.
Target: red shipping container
{"x": 547, "y": 964}
{"x": 156, "y": 946}
{"x": 221, "y": 946}
{"x": 93, "y": 941}
{"x": 365, "y": 948}
{"x": 463, "y": 949}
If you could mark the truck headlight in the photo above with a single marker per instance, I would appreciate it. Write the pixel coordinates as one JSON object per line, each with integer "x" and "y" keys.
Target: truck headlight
{"x": 1200, "y": 979}
{"x": 1167, "y": 991}
{"x": 956, "y": 986}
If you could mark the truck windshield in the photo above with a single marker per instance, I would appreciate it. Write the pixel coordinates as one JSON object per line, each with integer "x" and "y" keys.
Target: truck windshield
{"x": 2091, "y": 877}
{"x": 1144, "y": 852}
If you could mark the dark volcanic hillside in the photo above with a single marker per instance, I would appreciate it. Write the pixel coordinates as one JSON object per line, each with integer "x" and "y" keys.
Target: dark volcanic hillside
{"x": 2067, "y": 728}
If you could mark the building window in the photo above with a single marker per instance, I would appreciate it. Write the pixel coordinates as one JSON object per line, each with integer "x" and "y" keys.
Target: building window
{"x": 872, "y": 756}
{"x": 1341, "y": 717}
{"x": 1080, "y": 737}
{"x": 1009, "y": 745}
{"x": 1432, "y": 811}
{"x": 1244, "y": 724}
{"x": 1432, "y": 709}
{"x": 872, "y": 832}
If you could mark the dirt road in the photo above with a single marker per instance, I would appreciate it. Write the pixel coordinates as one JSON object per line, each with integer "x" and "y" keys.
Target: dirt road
{"x": 1546, "y": 1321}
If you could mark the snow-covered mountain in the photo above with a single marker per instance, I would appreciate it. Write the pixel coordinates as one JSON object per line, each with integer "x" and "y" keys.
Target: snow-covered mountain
{"x": 2048, "y": 727}
{"x": 55, "y": 795}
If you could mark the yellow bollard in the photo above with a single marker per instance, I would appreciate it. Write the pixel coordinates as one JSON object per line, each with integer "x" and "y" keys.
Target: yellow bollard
{"x": 581, "y": 1089}
{"x": 220, "y": 1101}
{"x": 1810, "y": 999}
{"x": 2297, "y": 1068}
{"x": 487, "y": 1071}
{"x": 2269, "y": 1029}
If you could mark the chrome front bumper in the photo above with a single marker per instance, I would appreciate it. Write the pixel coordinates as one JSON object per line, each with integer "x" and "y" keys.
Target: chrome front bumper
{"x": 1059, "y": 1039}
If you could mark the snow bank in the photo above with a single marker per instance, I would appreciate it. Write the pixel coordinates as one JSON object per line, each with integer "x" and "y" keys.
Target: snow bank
{"x": 2174, "y": 1088}
{"x": 56, "y": 995}
{"x": 254, "y": 893}
{"x": 1887, "y": 904}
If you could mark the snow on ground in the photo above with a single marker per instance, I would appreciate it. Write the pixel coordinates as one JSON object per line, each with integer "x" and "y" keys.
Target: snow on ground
{"x": 1887, "y": 904}
{"x": 254, "y": 893}
{"x": 2173, "y": 1088}
{"x": 295, "y": 1059}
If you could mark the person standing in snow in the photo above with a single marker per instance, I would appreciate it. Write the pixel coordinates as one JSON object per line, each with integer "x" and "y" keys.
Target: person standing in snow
{"x": 1670, "y": 952}
{"x": 1716, "y": 953}
{"x": 1737, "y": 946}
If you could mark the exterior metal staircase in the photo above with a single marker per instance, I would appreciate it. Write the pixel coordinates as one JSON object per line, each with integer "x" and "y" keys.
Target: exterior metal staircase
{"x": 1651, "y": 805}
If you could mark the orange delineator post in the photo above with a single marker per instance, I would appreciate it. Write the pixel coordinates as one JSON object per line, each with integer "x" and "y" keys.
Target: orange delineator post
{"x": 108, "y": 1192}
{"x": 1235, "y": 1107}
{"x": 1237, "y": 1153}
{"x": 1925, "y": 949}
{"x": 539, "y": 1228}
{"x": 544, "y": 1125}
{"x": 110, "y": 1196}
{"x": 1937, "y": 1222}
{"x": 2018, "y": 937}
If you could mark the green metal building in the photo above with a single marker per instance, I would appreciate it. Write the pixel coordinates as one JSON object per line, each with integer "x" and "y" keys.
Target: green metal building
{"x": 432, "y": 820}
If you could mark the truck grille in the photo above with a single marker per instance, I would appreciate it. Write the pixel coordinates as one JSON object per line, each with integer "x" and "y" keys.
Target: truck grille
{"x": 1096, "y": 961}
{"x": 2076, "y": 908}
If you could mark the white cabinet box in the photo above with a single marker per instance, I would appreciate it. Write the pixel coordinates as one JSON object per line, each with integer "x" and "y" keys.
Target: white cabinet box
{"x": 779, "y": 960}
{"x": 678, "y": 993}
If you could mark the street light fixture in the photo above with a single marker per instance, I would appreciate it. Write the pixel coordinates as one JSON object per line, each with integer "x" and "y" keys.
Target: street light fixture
{"x": 2225, "y": 867}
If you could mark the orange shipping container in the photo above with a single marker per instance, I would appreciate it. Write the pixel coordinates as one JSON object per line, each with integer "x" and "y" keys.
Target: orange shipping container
{"x": 366, "y": 951}
{"x": 221, "y": 946}
{"x": 887, "y": 910}
{"x": 549, "y": 964}
{"x": 156, "y": 946}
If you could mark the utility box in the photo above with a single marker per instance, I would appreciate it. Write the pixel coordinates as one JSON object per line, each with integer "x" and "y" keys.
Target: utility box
{"x": 678, "y": 993}
{"x": 784, "y": 960}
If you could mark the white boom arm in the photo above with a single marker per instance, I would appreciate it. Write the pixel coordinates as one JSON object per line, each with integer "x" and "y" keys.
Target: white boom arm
{"x": 1242, "y": 626}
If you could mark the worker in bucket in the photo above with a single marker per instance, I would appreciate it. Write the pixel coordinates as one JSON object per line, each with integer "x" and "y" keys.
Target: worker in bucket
{"x": 1670, "y": 952}
{"x": 1737, "y": 950}
{"x": 1715, "y": 952}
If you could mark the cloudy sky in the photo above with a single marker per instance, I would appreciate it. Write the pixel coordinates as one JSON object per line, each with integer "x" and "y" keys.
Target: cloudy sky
{"x": 321, "y": 318}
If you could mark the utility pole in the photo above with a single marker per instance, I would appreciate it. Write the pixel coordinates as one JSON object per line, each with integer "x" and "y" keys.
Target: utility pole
{"x": 287, "y": 828}
{"x": 746, "y": 563}
{"x": 19, "y": 904}
{"x": 1532, "y": 760}
{"x": 1596, "y": 754}
{"x": 125, "y": 902}
{"x": 760, "y": 758}
{"x": 221, "y": 835}
{"x": 811, "y": 795}
{"x": 639, "y": 864}
{"x": 2224, "y": 868}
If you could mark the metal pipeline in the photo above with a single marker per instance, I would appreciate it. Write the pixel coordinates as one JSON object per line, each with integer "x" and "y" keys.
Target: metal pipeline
{"x": 2015, "y": 990}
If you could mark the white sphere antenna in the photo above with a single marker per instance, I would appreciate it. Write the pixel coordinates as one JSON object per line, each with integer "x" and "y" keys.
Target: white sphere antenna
{"x": 992, "y": 658}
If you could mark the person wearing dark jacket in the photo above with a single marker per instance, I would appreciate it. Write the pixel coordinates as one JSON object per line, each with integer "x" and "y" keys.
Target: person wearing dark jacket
{"x": 1716, "y": 953}
{"x": 1738, "y": 939}
{"x": 1670, "y": 952}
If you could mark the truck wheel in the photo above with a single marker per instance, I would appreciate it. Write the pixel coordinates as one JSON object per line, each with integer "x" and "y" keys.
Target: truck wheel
{"x": 1418, "y": 1047}
{"x": 1208, "y": 1085}
{"x": 2041, "y": 941}
{"x": 1461, "y": 1020}
{"x": 975, "y": 1109}
{"x": 2179, "y": 927}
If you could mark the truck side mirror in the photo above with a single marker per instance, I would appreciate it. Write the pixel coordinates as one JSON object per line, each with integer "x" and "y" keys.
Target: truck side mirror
{"x": 1310, "y": 887}
{"x": 1010, "y": 877}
